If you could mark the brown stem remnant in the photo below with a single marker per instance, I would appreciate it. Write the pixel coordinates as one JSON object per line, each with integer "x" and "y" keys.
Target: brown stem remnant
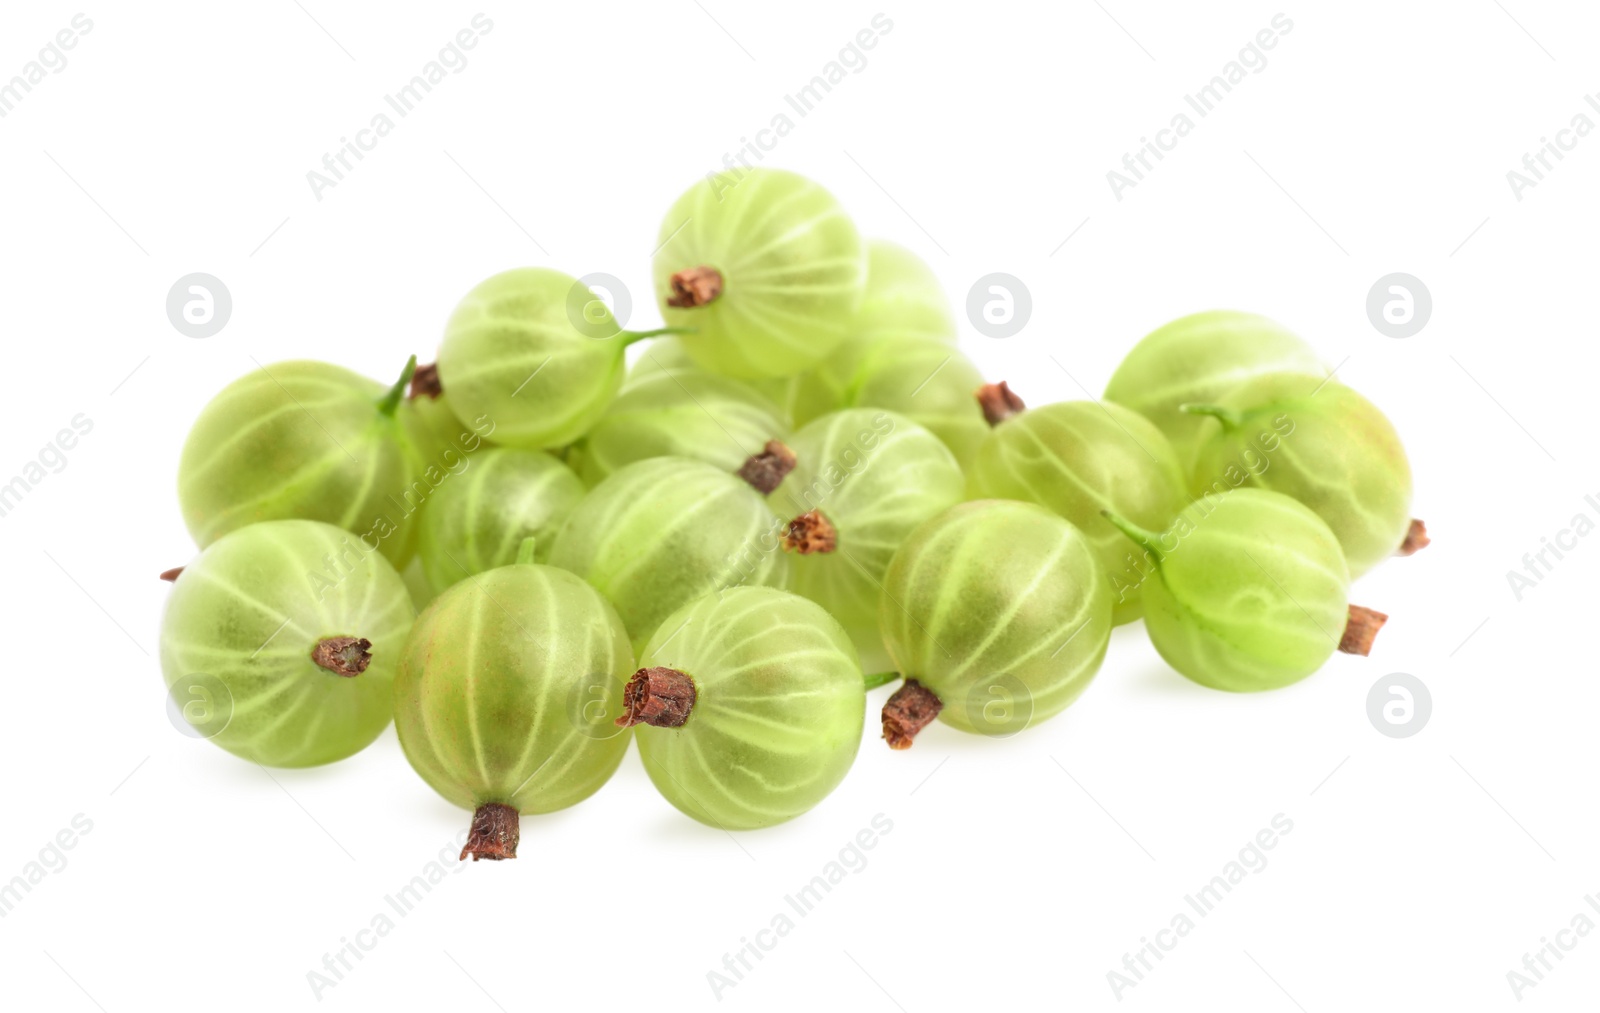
{"x": 346, "y": 656}
{"x": 907, "y": 712}
{"x": 1361, "y": 630}
{"x": 695, "y": 286}
{"x": 811, "y": 532}
{"x": 999, "y": 402}
{"x": 495, "y": 833}
{"x": 425, "y": 381}
{"x": 1416, "y": 539}
{"x": 660, "y": 697}
{"x": 765, "y": 471}
{"x": 170, "y": 576}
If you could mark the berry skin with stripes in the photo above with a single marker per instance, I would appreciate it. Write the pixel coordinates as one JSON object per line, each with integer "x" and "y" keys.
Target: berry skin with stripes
{"x": 476, "y": 520}
{"x": 903, "y": 297}
{"x": 491, "y": 692}
{"x": 997, "y": 615}
{"x": 660, "y": 533}
{"x": 534, "y": 352}
{"x": 748, "y": 707}
{"x": 864, "y": 479}
{"x": 765, "y": 267}
{"x": 1319, "y": 442}
{"x": 1250, "y": 591}
{"x": 1199, "y": 358}
{"x": 1077, "y": 459}
{"x": 280, "y": 642}
{"x": 305, "y": 440}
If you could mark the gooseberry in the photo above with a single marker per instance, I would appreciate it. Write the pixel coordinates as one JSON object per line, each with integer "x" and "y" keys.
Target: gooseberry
{"x": 903, "y": 297}
{"x": 306, "y": 440}
{"x": 996, "y": 614}
{"x": 280, "y": 642}
{"x": 1319, "y": 442}
{"x": 660, "y": 533}
{"x": 748, "y": 706}
{"x": 492, "y": 692}
{"x": 765, "y": 267}
{"x": 1249, "y": 592}
{"x": 863, "y": 479}
{"x": 1198, "y": 358}
{"x": 477, "y": 518}
{"x": 536, "y": 353}
{"x": 1077, "y": 459}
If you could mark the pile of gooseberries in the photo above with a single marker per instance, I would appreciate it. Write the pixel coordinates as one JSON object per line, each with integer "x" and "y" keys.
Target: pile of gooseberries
{"x": 531, "y": 551}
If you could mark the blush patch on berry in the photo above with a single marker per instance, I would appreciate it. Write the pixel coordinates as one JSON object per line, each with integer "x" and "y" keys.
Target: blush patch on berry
{"x": 765, "y": 471}
{"x": 911, "y": 709}
{"x": 811, "y": 533}
{"x": 343, "y": 656}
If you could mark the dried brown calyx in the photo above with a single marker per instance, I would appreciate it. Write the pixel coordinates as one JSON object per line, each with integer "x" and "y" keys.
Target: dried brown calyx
{"x": 765, "y": 471}
{"x": 425, "y": 381}
{"x": 999, "y": 402}
{"x": 660, "y": 697}
{"x": 495, "y": 833}
{"x": 911, "y": 708}
{"x": 696, "y": 286}
{"x": 1361, "y": 630}
{"x": 346, "y": 656}
{"x": 171, "y": 575}
{"x": 1416, "y": 539}
{"x": 809, "y": 533}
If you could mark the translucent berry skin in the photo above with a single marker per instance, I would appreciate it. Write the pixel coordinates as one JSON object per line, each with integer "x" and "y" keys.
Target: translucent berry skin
{"x": 903, "y": 297}
{"x": 680, "y": 412}
{"x": 1198, "y": 358}
{"x": 250, "y": 611}
{"x": 492, "y": 699}
{"x": 663, "y": 532}
{"x": 667, "y": 353}
{"x": 306, "y": 440}
{"x": 437, "y": 438}
{"x": 514, "y": 353}
{"x": 778, "y": 709}
{"x": 476, "y": 519}
{"x": 874, "y": 476}
{"x": 1000, "y": 609}
{"x": 1078, "y": 459}
{"x": 792, "y": 265}
{"x": 1250, "y": 592}
{"x": 1321, "y": 443}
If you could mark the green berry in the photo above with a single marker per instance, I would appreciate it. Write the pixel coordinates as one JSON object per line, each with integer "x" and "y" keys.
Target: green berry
{"x": 1199, "y": 358}
{"x": 765, "y": 267}
{"x": 998, "y": 616}
{"x": 1319, "y": 442}
{"x": 493, "y": 697}
{"x": 476, "y": 520}
{"x": 1079, "y": 459}
{"x": 749, "y": 705}
{"x": 281, "y": 641}
{"x": 903, "y": 298}
{"x": 305, "y": 440}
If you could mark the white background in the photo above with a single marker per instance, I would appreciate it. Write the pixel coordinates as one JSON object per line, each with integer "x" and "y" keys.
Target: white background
{"x": 1018, "y": 872}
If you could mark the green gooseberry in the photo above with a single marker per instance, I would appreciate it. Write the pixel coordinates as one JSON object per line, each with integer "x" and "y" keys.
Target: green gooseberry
{"x": 1249, "y": 592}
{"x": 864, "y": 478}
{"x": 764, "y": 267}
{"x": 280, "y": 642}
{"x": 477, "y": 518}
{"x": 306, "y": 440}
{"x": 1321, "y": 443}
{"x": 748, "y": 706}
{"x": 662, "y": 532}
{"x": 1198, "y": 358}
{"x": 496, "y": 691}
{"x": 667, "y": 354}
{"x": 680, "y": 412}
{"x": 536, "y": 353}
{"x": 1078, "y": 459}
{"x": 997, "y": 615}
{"x": 903, "y": 297}
{"x": 437, "y": 438}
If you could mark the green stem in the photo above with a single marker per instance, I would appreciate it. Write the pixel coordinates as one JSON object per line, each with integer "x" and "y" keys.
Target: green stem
{"x": 629, "y": 337}
{"x": 1149, "y": 541}
{"x": 1229, "y": 418}
{"x": 880, "y": 679}
{"x": 525, "y": 551}
{"x": 391, "y": 400}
